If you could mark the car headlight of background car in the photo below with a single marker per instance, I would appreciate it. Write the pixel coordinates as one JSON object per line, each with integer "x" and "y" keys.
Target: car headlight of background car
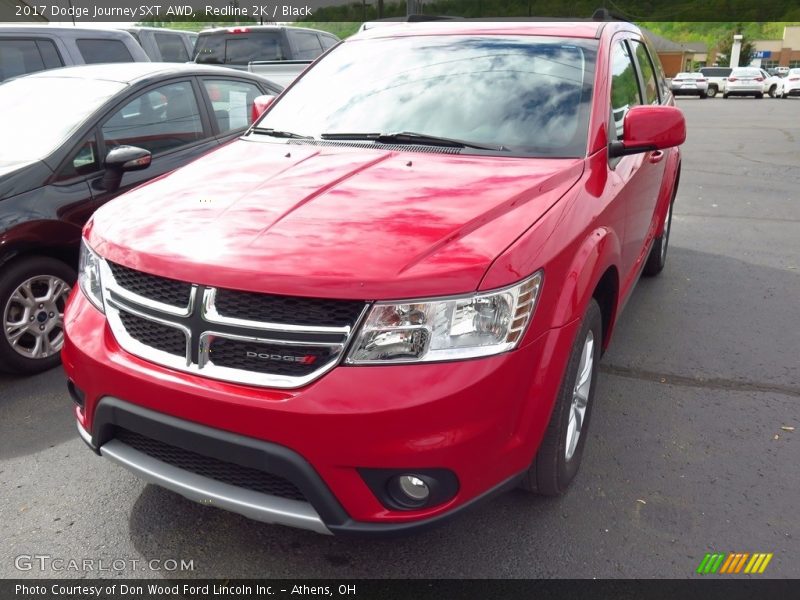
{"x": 447, "y": 328}
{"x": 89, "y": 276}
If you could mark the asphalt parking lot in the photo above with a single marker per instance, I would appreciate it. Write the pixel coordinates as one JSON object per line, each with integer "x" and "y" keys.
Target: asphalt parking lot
{"x": 690, "y": 449}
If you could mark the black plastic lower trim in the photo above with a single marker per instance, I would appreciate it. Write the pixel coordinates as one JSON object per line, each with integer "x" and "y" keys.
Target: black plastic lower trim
{"x": 222, "y": 445}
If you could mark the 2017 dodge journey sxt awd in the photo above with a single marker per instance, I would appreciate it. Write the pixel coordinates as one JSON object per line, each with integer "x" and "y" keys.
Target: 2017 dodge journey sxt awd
{"x": 387, "y": 300}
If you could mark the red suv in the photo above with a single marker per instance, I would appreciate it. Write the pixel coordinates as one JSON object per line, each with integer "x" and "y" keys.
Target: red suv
{"x": 387, "y": 300}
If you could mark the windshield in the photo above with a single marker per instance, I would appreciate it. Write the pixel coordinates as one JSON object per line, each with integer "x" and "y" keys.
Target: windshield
{"x": 38, "y": 114}
{"x": 529, "y": 95}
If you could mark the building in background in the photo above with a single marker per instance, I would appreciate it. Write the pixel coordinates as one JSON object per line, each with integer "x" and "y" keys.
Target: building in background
{"x": 779, "y": 53}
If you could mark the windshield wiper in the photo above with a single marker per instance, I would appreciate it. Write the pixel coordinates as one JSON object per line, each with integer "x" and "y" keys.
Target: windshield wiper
{"x": 411, "y": 137}
{"x": 282, "y": 134}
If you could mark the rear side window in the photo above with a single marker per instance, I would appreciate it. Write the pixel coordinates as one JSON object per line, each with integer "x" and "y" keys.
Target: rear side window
{"x": 238, "y": 48}
{"x": 624, "y": 87}
{"x": 328, "y": 41}
{"x": 18, "y": 57}
{"x": 171, "y": 47}
{"x": 232, "y": 102}
{"x": 307, "y": 45}
{"x": 103, "y": 51}
{"x": 648, "y": 73}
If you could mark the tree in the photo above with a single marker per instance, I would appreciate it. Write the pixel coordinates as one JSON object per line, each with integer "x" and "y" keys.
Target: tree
{"x": 724, "y": 51}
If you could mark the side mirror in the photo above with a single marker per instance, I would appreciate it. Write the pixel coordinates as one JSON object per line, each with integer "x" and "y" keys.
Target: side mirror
{"x": 260, "y": 104}
{"x": 122, "y": 159}
{"x": 649, "y": 128}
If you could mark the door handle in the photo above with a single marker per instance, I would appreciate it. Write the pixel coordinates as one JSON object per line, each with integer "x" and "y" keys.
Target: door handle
{"x": 656, "y": 156}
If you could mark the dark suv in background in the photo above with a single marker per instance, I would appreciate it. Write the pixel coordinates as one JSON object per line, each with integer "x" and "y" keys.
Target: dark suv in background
{"x": 238, "y": 46}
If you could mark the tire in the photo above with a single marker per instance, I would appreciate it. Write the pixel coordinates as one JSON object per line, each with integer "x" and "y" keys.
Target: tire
{"x": 33, "y": 293}
{"x": 657, "y": 258}
{"x": 559, "y": 456}
{"x": 759, "y": 96}
{"x": 724, "y": 96}
{"x": 712, "y": 92}
{"x": 703, "y": 96}
{"x": 773, "y": 91}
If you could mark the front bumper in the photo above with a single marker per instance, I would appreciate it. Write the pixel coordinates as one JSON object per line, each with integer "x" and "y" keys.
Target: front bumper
{"x": 480, "y": 419}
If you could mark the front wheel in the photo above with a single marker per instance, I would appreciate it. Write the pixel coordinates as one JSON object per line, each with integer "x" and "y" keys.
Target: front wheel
{"x": 33, "y": 294}
{"x": 712, "y": 91}
{"x": 561, "y": 451}
{"x": 759, "y": 96}
{"x": 773, "y": 91}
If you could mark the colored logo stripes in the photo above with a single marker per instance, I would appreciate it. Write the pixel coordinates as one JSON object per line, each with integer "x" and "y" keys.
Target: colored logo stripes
{"x": 734, "y": 562}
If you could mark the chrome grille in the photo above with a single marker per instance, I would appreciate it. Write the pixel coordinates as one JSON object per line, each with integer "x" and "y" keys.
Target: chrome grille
{"x": 242, "y": 337}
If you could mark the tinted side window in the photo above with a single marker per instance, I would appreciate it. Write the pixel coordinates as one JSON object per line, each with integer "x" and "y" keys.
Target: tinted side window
{"x": 716, "y": 71}
{"x": 18, "y": 57}
{"x": 648, "y": 73}
{"x": 159, "y": 120}
{"x": 171, "y": 47}
{"x": 103, "y": 51}
{"x": 307, "y": 45}
{"x": 624, "y": 87}
{"x": 238, "y": 48}
{"x": 50, "y": 55}
{"x": 328, "y": 41}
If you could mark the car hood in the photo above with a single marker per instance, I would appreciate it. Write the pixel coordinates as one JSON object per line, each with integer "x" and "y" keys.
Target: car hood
{"x": 336, "y": 222}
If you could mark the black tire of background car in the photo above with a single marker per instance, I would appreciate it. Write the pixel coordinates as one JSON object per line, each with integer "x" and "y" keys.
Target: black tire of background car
{"x": 551, "y": 473}
{"x": 773, "y": 91}
{"x": 759, "y": 96}
{"x": 12, "y": 275}
{"x": 712, "y": 91}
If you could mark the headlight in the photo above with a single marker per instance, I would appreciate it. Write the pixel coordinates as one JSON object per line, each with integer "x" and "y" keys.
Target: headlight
{"x": 447, "y": 328}
{"x": 89, "y": 276}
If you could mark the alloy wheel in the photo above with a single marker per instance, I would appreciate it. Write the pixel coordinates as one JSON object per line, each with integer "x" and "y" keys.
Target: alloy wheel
{"x": 33, "y": 317}
{"x": 580, "y": 396}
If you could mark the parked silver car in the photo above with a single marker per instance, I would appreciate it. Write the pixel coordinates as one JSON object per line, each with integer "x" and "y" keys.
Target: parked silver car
{"x": 745, "y": 81}
{"x": 690, "y": 84}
